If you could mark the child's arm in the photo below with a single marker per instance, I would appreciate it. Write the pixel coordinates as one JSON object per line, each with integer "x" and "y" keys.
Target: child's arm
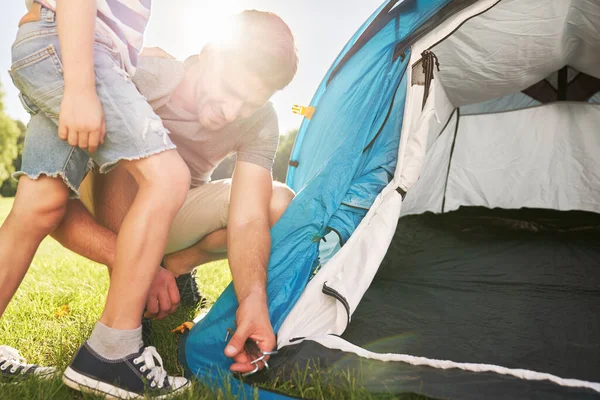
{"x": 81, "y": 119}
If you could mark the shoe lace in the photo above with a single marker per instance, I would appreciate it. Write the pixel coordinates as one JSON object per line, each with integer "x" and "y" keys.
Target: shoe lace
{"x": 10, "y": 357}
{"x": 157, "y": 374}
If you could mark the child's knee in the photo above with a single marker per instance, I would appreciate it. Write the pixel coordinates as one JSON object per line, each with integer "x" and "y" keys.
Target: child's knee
{"x": 169, "y": 180}
{"x": 41, "y": 215}
{"x": 175, "y": 180}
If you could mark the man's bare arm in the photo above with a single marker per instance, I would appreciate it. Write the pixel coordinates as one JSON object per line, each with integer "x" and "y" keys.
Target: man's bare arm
{"x": 80, "y": 233}
{"x": 248, "y": 228}
{"x": 249, "y": 248}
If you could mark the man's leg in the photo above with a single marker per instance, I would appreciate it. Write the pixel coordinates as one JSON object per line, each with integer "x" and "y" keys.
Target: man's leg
{"x": 214, "y": 246}
{"x": 38, "y": 209}
{"x": 114, "y": 194}
{"x": 80, "y": 233}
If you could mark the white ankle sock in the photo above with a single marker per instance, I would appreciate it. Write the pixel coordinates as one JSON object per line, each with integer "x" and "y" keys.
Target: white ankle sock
{"x": 114, "y": 344}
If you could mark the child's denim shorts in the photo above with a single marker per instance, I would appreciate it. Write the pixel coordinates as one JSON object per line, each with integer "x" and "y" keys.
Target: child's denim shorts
{"x": 133, "y": 130}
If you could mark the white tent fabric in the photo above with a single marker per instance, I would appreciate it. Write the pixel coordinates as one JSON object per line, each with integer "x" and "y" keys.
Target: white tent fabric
{"x": 504, "y": 48}
{"x": 350, "y": 272}
{"x": 516, "y": 44}
{"x": 514, "y": 101}
{"x": 539, "y": 157}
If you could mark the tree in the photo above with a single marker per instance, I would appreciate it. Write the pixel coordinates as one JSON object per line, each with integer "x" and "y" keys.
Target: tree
{"x": 284, "y": 151}
{"x": 280, "y": 166}
{"x": 9, "y": 187}
{"x": 9, "y": 135}
{"x": 225, "y": 168}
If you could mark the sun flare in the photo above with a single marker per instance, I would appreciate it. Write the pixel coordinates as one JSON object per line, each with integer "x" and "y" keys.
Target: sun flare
{"x": 211, "y": 22}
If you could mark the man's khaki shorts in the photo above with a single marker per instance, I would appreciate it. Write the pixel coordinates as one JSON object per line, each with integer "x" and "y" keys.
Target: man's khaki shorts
{"x": 205, "y": 210}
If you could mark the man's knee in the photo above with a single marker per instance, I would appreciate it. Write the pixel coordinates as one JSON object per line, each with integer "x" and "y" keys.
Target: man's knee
{"x": 113, "y": 194}
{"x": 165, "y": 175}
{"x": 281, "y": 199}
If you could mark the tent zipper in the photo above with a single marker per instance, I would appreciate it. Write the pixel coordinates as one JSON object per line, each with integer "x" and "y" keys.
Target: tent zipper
{"x": 440, "y": 16}
{"x": 401, "y": 191}
{"x": 353, "y": 206}
{"x": 337, "y": 295}
{"x": 462, "y": 23}
{"x": 337, "y": 233}
{"x": 389, "y": 112}
{"x": 430, "y": 62}
{"x": 454, "y": 31}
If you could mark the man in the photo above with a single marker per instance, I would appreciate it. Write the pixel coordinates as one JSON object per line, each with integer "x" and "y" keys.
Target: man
{"x": 215, "y": 104}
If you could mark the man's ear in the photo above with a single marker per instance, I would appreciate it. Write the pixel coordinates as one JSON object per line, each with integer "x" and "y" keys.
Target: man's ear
{"x": 155, "y": 52}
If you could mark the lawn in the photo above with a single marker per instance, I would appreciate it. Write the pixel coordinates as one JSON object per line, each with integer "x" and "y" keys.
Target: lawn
{"x": 58, "y": 304}
{"x": 61, "y": 299}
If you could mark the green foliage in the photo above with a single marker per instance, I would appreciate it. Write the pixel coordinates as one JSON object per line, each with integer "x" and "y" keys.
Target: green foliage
{"x": 9, "y": 135}
{"x": 286, "y": 144}
{"x": 8, "y": 188}
{"x": 225, "y": 169}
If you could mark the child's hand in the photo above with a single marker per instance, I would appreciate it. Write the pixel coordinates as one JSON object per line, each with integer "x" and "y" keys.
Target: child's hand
{"x": 81, "y": 120}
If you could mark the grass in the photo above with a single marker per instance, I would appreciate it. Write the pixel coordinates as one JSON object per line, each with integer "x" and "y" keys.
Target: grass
{"x": 61, "y": 299}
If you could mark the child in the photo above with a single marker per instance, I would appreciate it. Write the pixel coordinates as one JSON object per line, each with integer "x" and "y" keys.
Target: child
{"x": 72, "y": 60}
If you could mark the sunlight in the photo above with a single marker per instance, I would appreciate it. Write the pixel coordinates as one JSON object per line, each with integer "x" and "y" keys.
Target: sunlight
{"x": 210, "y": 22}
{"x": 226, "y": 35}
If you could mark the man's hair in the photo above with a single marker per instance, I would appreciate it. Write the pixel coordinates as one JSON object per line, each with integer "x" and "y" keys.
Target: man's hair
{"x": 264, "y": 44}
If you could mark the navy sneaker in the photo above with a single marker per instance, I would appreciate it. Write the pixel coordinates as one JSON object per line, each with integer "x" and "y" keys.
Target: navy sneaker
{"x": 189, "y": 291}
{"x": 135, "y": 376}
{"x": 13, "y": 367}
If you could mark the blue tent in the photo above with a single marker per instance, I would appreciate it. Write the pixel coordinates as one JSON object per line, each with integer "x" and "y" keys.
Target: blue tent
{"x": 386, "y": 127}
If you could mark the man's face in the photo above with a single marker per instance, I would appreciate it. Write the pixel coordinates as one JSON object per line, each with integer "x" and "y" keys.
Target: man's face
{"x": 227, "y": 92}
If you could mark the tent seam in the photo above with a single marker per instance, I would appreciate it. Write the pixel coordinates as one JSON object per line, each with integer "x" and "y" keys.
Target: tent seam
{"x": 450, "y": 159}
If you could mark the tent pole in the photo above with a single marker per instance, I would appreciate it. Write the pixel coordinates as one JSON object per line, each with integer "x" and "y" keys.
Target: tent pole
{"x": 562, "y": 84}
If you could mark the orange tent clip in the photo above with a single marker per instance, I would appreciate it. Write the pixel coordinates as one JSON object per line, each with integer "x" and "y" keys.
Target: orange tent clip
{"x": 307, "y": 111}
{"x": 186, "y": 326}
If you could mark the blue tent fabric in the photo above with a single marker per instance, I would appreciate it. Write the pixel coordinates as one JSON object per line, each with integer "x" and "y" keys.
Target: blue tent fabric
{"x": 348, "y": 153}
{"x": 412, "y": 17}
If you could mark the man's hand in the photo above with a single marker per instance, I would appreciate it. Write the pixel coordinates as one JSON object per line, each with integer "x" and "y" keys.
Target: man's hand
{"x": 163, "y": 297}
{"x": 253, "y": 323}
{"x": 81, "y": 120}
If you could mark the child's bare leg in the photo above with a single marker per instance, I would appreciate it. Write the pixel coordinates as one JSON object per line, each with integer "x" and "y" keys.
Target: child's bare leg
{"x": 38, "y": 209}
{"x": 163, "y": 181}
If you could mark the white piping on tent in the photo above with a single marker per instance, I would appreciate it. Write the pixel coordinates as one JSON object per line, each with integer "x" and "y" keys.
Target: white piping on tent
{"x": 334, "y": 342}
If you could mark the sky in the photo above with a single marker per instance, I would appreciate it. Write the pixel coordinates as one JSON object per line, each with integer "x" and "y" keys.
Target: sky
{"x": 181, "y": 27}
